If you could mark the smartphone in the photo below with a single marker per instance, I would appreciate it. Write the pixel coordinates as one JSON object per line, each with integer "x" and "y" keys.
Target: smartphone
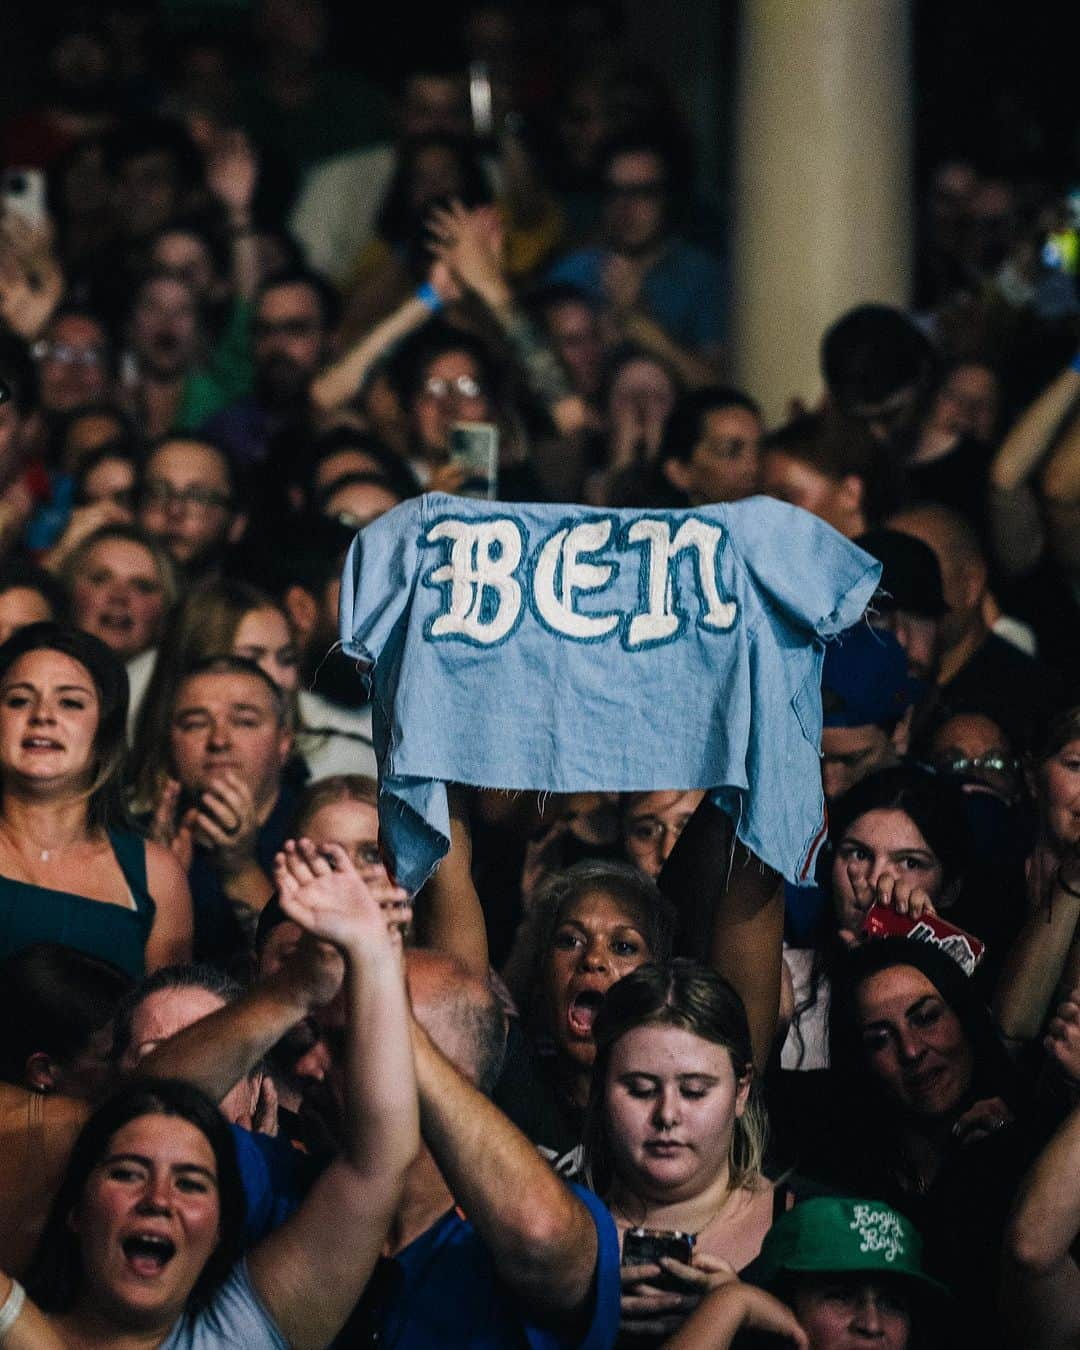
{"x": 480, "y": 107}
{"x": 645, "y": 1247}
{"x": 475, "y": 446}
{"x": 23, "y": 194}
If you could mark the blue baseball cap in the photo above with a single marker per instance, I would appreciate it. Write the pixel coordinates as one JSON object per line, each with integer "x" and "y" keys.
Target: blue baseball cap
{"x": 864, "y": 679}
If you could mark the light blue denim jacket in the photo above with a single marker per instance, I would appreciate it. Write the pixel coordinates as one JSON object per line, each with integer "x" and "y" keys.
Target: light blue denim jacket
{"x": 571, "y": 649}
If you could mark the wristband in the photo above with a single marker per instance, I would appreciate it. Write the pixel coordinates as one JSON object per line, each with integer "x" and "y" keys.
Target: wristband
{"x": 1069, "y": 890}
{"x": 13, "y": 1306}
{"x": 430, "y": 297}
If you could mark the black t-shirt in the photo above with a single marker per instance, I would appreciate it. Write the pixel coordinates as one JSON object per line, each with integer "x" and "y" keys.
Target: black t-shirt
{"x": 528, "y": 1092}
{"x": 1007, "y": 685}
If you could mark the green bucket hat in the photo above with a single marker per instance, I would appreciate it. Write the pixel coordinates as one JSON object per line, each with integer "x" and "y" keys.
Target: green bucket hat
{"x": 837, "y": 1235}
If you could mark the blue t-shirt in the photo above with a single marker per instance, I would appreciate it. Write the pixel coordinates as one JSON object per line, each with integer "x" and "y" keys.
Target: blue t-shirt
{"x": 276, "y": 1177}
{"x": 578, "y": 649}
{"x": 448, "y": 1293}
{"x": 685, "y": 290}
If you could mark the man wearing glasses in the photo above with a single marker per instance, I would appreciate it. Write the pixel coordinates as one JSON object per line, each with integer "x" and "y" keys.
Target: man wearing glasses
{"x": 645, "y": 271}
{"x": 189, "y": 503}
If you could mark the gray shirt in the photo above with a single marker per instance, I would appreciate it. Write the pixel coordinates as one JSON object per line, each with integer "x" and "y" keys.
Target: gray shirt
{"x": 236, "y": 1317}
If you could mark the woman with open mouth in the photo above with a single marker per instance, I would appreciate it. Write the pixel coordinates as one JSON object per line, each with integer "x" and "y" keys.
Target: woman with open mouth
{"x": 71, "y": 868}
{"x": 143, "y": 1247}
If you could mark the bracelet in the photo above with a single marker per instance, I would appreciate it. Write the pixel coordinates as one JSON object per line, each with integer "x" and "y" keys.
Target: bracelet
{"x": 1069, "y": 890}
{"x": 13, "y": 1306}
{"x": 430, "y": 297}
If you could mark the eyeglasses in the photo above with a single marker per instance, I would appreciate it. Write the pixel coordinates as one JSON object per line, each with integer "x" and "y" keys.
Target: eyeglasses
{"x": 91, "y": 357}
{"x": 650, "y": 830}
{"x": 464, "y": 386}
{"x": 164, "y": 495}
{"x": 994, "y": 763}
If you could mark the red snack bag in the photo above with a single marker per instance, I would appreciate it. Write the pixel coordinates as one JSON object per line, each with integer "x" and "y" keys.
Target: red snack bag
{"x": 964, "y": 948}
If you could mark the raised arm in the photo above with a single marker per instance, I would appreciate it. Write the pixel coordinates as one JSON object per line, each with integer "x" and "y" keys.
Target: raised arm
{"x": 217, "y": 1051}
{"x": 23, "y": 1326}
{"x": 1038, "y": 958}
{"x": 1015, "y": 515}
{"x": 541, "y": 1237}
{"x": 1041, "y": 1280}
{"x": 311, "y": 1271}
{"x": 448, "y": 913}
{"x": 731, "y": 909}
{"x": 343, "y": 379}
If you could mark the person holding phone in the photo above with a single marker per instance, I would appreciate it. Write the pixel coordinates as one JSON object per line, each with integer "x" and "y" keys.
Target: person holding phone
{"x": 675, "y": 1137}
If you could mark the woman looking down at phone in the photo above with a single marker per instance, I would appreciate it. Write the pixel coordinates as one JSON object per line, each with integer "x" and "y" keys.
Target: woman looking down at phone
{"x": 675, "y": 1139}
{"x": 70, "y": 871}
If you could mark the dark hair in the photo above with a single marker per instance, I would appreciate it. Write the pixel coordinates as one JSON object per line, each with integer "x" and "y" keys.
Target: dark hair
{"x": 686, "y": 425}
{"x": 839, "y": 446}
{"x": 993, "y": 1072}
{"x": 197, "y": 438}
{"x": 56, "y": 1272}
{"x": 328, "y": 299}
{"x": 1063, "y": 727}
{"x": 873, "y": 352}
{"x": 18, "y": 373}
{"x": 397, "y": 220}
{"x": 136, "y": 137}
{"x": 353, "y": 480}
{"x": 105, "y": 805}
{"x": 693, "y": 997}
{"x": 391, "y": 466}
{"x": 119, "y": 449}
{"x": 21, "y": 575}
{"x": 410, "y": 363}
{"x": 52, "y": 1000}
{"x": 205, "y": 226}
{"x": 195, "y": 976}
{"x": 935, "y": 804}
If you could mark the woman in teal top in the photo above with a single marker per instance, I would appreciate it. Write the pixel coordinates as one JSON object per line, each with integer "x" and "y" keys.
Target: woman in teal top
{"x": 70, "y": 871}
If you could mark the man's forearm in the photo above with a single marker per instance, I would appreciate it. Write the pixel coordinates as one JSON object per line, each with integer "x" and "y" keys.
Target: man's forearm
{"x": 217, "y": 1051}
{"x": 542, "y": 1239}
{"x": 731, "y": 909}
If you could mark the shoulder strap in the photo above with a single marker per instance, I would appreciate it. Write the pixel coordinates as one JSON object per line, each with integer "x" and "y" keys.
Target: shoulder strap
{"x": 130, "y": 851}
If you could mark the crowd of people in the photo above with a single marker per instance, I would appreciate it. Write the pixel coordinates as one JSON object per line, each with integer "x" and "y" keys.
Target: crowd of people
{"x": 607, "y": 1076}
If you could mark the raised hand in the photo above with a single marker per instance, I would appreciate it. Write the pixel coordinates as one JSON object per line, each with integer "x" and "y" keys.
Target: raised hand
{"x": 232, "y": 172}
{"x": 470, "y": 243}
{"x": 322, "y": 891}
{"x": 225, "y": 821}
{"x": 169, "y": 832}
{"x": 1062, "y": 1040}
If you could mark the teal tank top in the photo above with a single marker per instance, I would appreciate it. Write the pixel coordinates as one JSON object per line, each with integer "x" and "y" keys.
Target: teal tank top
{"x": 30, "y": 914}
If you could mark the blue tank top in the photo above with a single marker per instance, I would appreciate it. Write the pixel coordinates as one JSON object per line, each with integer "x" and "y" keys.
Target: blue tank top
{"x": 30, "y": 914}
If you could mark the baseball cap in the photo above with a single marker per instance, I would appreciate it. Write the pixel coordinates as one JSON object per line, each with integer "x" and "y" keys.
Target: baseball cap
{"x": 872, "y": 352}
{"x": 910, "y": 573}
{"x": 837, "y": 1235}
{"x": 864, "y": 679}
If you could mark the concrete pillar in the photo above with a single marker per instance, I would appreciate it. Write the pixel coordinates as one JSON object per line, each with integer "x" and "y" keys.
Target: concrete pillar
{"x": 823, "y": 215}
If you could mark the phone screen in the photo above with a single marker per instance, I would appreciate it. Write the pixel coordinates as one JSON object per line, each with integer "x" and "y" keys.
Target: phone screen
{"x": 475, "y": 446}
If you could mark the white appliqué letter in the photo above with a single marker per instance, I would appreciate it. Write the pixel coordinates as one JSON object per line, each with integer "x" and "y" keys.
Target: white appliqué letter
{"x": 483, "y": 558}
{"x": 659, "y": 620}
{"x": 565, "y": 547}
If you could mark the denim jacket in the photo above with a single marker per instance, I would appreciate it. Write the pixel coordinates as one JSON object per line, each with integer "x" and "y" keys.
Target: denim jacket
{"x": 570, "y": 649}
